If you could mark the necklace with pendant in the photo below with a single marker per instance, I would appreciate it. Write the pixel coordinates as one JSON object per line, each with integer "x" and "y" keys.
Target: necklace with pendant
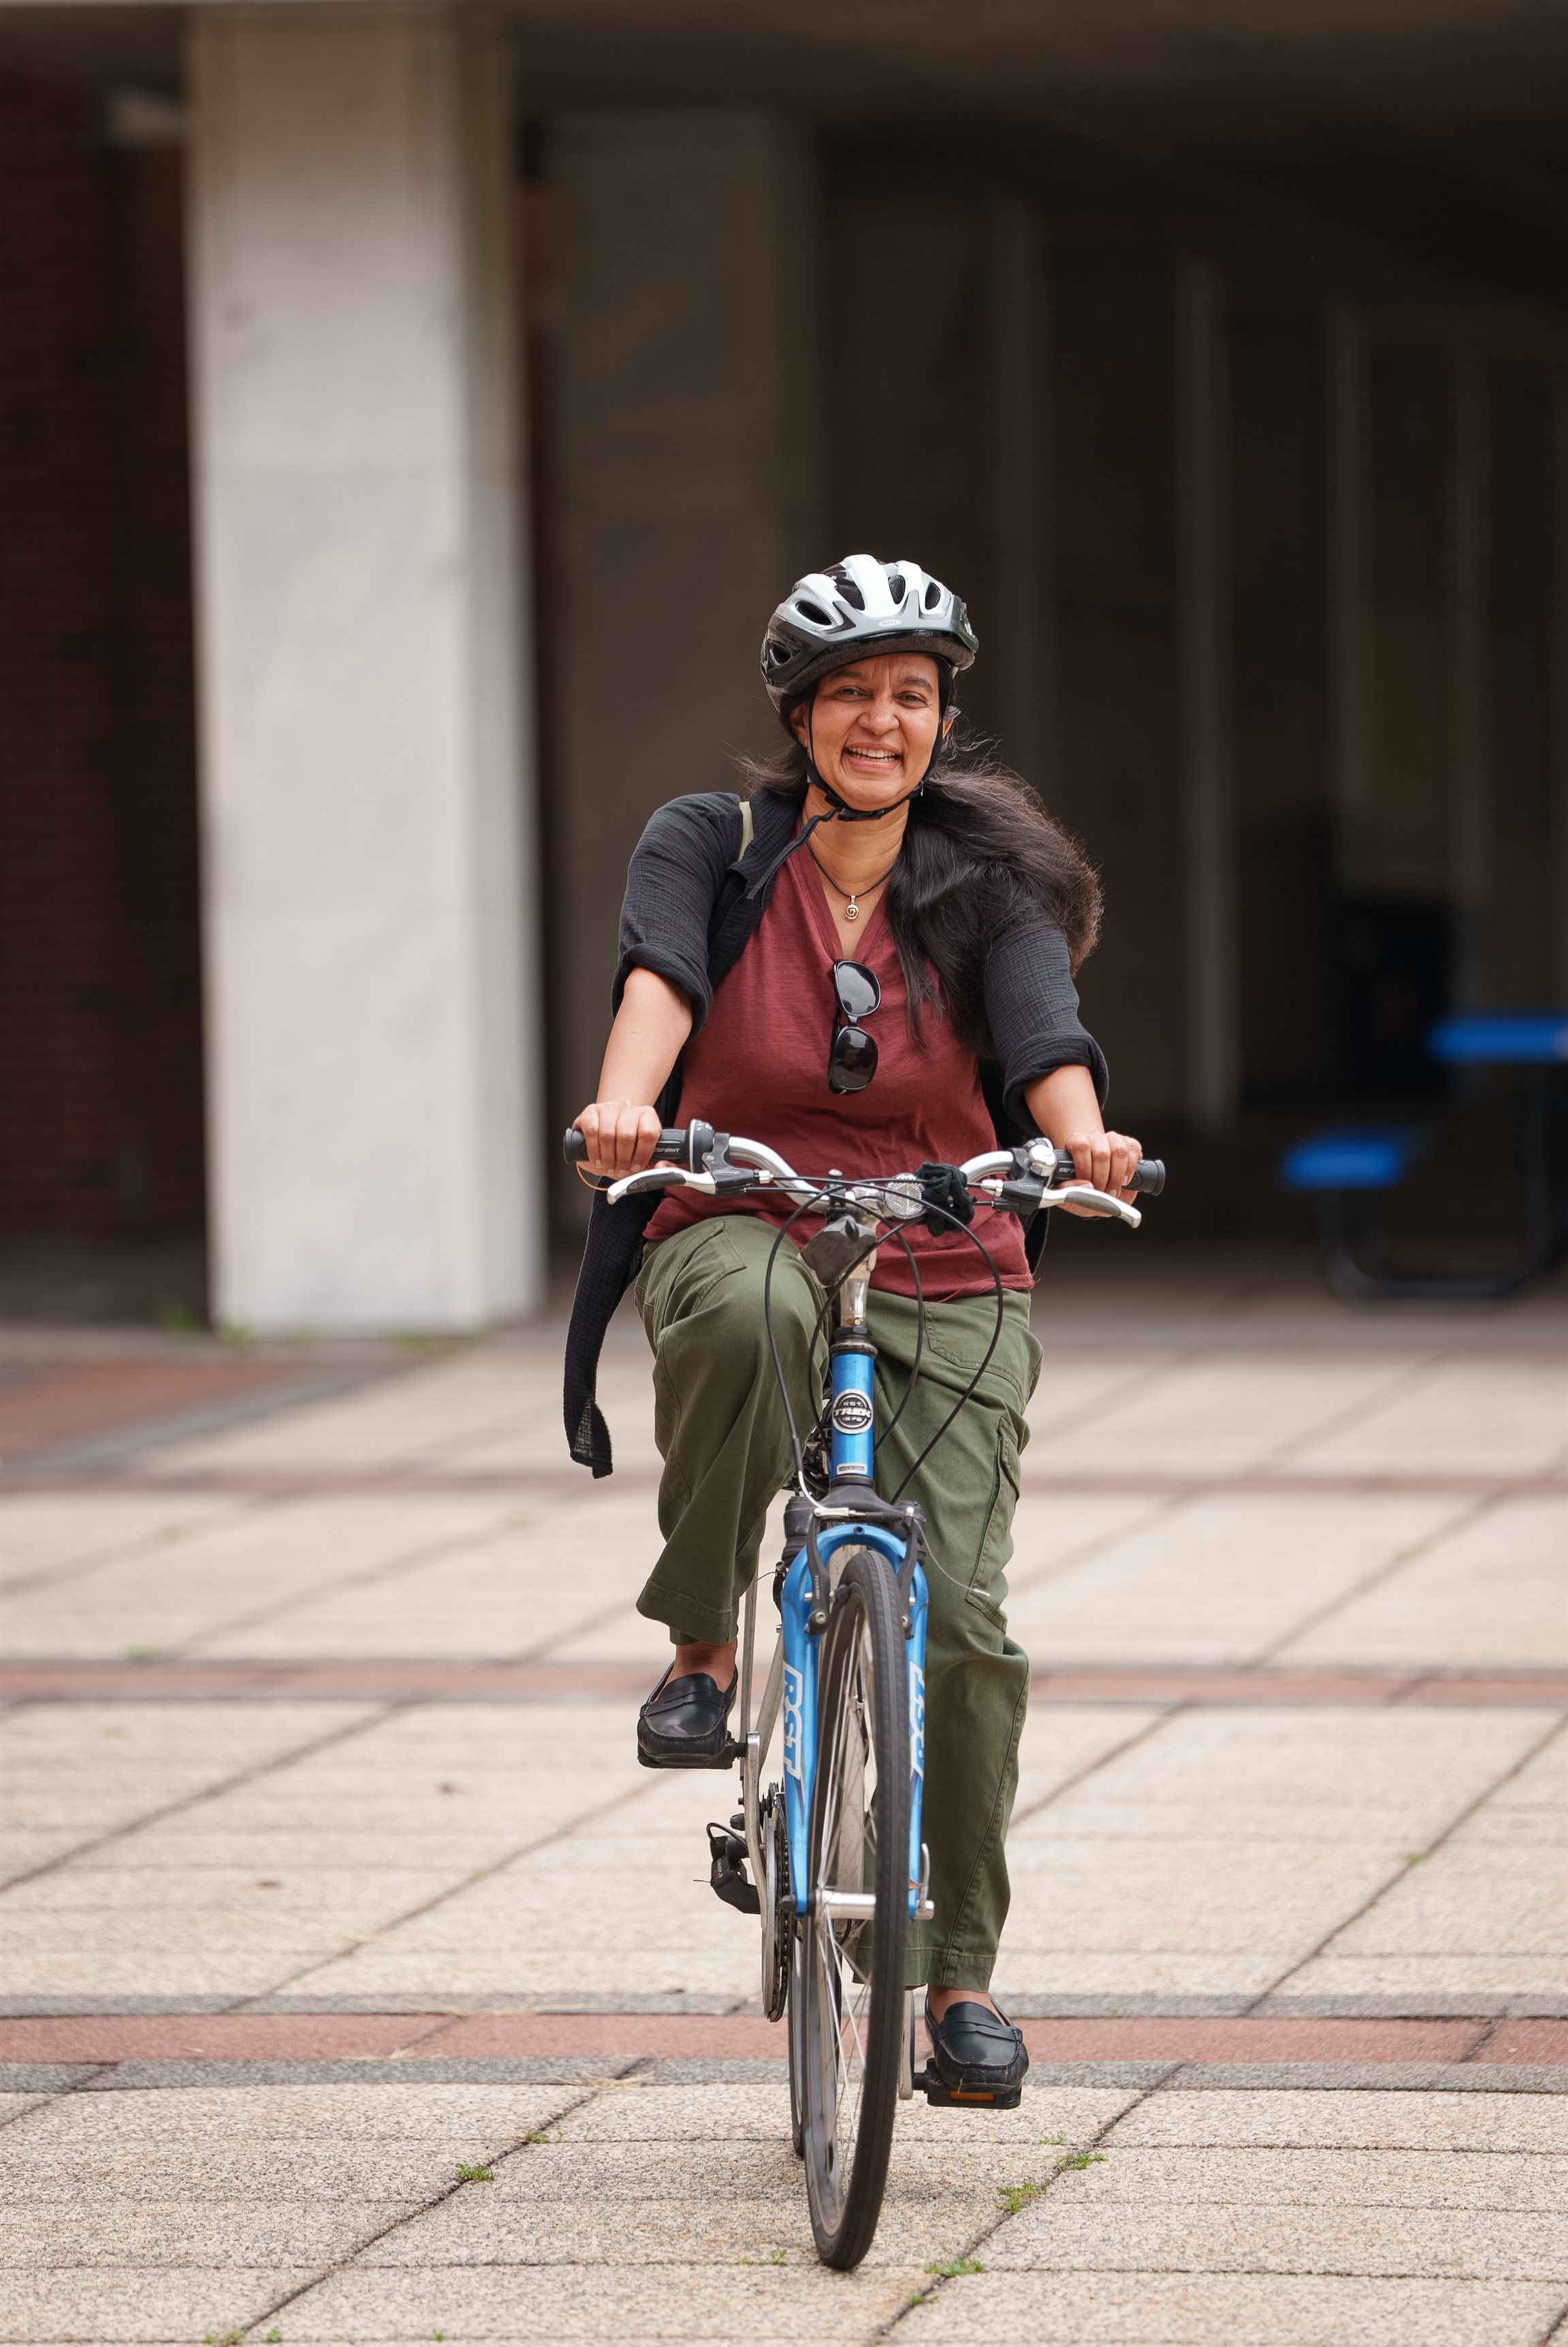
{"x": 851, "y": 909}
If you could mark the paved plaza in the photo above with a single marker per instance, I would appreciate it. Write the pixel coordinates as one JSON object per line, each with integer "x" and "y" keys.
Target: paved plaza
{"x": 358, "y": 1986}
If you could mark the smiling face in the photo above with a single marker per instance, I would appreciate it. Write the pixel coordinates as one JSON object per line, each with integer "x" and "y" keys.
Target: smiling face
{"x": 873, "y": 726}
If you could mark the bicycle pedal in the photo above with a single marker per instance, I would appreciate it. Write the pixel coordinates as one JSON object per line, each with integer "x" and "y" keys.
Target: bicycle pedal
{"x": 937, "y": 2091}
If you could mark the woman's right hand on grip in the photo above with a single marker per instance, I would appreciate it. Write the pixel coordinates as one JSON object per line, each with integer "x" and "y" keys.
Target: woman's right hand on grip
{"x": 622, "y": 1137}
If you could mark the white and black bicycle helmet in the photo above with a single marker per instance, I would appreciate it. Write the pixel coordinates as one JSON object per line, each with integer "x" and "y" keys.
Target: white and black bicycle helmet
{"x": 860, "y": 605}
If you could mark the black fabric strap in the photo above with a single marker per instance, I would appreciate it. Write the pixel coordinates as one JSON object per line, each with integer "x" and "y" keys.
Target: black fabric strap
{"x": 614, "y": 1248}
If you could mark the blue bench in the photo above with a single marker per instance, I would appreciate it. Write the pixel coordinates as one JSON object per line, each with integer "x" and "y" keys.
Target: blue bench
{"x": 1343, "y": 1163}
{"x": 1354, "y": 1157}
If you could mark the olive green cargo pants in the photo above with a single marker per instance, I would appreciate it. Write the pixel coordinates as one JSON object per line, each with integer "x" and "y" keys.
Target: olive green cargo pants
{"x": 722, "y": 1434}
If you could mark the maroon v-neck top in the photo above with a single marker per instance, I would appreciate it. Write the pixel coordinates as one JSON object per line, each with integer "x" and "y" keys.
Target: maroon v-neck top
{"x": 758, "y": 1067}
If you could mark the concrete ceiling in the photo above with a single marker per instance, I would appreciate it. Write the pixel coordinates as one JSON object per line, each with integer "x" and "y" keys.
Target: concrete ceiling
{"x": 1209, "y": 62}
{"x": 1441, "y": 125}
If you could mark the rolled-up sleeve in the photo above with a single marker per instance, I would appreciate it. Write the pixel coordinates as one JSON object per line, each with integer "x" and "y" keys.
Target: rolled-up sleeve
{"x": 1031, "y": 1007}
{"x": 675, "y": 874}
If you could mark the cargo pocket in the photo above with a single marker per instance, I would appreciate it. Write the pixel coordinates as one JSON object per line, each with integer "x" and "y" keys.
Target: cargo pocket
{"x": 988, "y": 1590}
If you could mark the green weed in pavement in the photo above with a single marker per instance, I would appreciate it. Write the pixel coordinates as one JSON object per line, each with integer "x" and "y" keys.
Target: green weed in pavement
{"x": 955, "y": 2267}
{"x": 1081, "y": 2159}
{"x": 467, "y": 2175}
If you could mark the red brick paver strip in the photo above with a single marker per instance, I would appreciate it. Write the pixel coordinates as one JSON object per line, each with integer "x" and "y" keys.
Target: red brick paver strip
{"x": 362, "y": 2036}
{"x": 518, "y": 1681}
{"x": 91, "y": 1395}
{"x": 1544, "y": 2042}
{"x": 215, "y": 2036}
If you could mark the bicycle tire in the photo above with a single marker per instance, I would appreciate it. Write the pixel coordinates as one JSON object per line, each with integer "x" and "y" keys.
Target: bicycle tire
{"x": 796, "y": 2046}
{"x": 852, "y": 2020}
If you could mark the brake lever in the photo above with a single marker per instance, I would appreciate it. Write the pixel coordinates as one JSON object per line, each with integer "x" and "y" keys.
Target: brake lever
{"x": 657, "y": 1177}
{"x": 1093, "y": 1201}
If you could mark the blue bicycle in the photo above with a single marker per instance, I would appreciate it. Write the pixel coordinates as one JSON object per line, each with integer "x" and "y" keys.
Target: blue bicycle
{"x": 837, "y": 1869}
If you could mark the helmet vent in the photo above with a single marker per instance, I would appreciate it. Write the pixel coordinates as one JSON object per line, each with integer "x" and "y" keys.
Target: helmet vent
{"x": 859, "y": 605}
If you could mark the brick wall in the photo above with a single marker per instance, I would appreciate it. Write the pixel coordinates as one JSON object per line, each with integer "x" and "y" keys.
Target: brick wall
{"x": 100, "y": 1052}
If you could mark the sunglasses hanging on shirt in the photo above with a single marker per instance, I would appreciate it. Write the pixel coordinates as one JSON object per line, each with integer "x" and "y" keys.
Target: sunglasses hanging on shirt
{"x": 852, "y": 1058}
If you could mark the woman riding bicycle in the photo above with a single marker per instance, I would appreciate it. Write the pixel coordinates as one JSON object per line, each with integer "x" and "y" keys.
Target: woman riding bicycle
{"x": 867, "y": 964}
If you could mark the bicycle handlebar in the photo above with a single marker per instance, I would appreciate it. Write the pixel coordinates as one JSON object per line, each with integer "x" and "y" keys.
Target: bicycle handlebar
{"x": 686, "y": 1144}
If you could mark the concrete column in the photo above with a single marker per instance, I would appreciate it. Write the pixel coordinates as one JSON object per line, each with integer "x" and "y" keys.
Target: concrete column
{"x": 370, "y": 989}
{"x": 1560, "y": 698}
{"x": 1348, "y": 497}
{"x": 1020, "y": 432}
{"x": 686, "y": 489}
{"x": 1214, "y": 1036}
{"x": 1468, "y": 680}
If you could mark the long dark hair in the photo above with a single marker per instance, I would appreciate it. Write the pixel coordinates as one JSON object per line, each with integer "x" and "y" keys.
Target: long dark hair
{"x": 978, "y": 851}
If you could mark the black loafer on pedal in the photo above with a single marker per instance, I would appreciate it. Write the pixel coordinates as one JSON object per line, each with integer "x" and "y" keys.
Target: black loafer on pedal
{"x": 977, "y": 2057}
{"x": 687, "y": 1725}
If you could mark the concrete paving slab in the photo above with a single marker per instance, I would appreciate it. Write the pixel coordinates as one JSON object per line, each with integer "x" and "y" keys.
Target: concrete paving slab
{"x": 721, "y": 2230}
{"x": 1056, "y": 1530}
{"x": 790, "y": 2302}
{"x": 90, "y": 1770}
{"x": 1220, "y": 1579}
{"x": 555, "y": 1576}
{"x": 1341, "y": 1754}
{"x": 1490, "y": 1590}
{"x": 1417, "y": 1982}
{"x": 1213, "y": 1416}
{"x": 1442, "y": 2121}
{"x": 251, "y": 2172}
{"x": 467, "y": 2119}
{"x": 122, "y": 2309}
{"x": 1474, "y": 2245}
{"x": 678, "y": 2116}
{"x": 326, "y": 1898}
{"x": 401, "y": 1421}
{"x": 13, "y": 2107}
{"x": 1469, "y": 1899}
{"x": 55, "y": 1532}
{"x": 1486, "y": 1415}
{"x": 177, "y": 1597}
{"x": 1273, "y": 2311}
{"x": 160, "y": 2233}
{"x": 722, "y": 1965}
{"x": 1318, "y": 2178}
{"x": 1144, "y": 1894}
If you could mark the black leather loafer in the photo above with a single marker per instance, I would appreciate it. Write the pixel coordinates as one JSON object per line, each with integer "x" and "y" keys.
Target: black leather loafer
{"x": 977, "y": 2057}
{"x": 686, "y": 1724}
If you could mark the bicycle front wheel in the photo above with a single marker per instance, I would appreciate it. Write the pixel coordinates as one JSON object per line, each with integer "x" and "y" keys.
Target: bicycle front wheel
{"x": 852, "y": 1967}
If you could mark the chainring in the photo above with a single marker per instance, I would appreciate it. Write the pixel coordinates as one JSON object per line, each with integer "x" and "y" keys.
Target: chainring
{"x": 778, "y": 1907}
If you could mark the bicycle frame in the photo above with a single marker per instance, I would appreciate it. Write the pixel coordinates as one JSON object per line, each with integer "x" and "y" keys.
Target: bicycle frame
{"x": 791, "y": 1680}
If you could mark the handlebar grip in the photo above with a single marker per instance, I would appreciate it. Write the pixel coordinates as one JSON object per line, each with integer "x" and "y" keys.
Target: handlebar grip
{"x": 1148, "y": 1175}
{"x": 671, "y": 1149}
